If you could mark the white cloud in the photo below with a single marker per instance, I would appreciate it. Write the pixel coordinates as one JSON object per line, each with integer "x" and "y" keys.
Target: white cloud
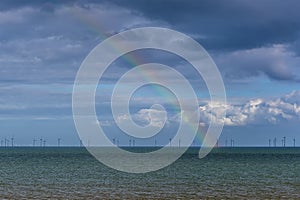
{"x": 256, "y": 111}
{"x": 152, "y": 117}
{"x": 103, "y": 123}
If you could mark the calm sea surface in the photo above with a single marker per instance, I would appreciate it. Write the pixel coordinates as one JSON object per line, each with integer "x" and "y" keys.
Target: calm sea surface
{"x": 72, "y": 173}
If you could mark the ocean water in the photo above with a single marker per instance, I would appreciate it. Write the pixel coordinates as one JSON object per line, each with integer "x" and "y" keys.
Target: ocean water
{"x": 72, "y": 173}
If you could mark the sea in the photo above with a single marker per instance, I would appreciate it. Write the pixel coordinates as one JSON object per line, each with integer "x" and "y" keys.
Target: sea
{"x": 226, "y": 173}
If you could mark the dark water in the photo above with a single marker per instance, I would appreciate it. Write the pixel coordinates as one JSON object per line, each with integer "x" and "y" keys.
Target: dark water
{"x": 72, "y": 173}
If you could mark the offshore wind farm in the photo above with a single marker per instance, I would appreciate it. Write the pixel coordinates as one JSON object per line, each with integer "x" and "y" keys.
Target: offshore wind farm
{"x": 132, "y": 143}
{"x": 155, "y": 99}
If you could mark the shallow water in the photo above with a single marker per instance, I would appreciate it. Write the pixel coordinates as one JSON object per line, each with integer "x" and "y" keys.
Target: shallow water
{"x": 72, "y": 173}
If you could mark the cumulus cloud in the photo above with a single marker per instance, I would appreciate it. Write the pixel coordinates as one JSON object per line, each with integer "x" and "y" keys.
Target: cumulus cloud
{"x": 256, "y": 111}
{"x": 152, "y": 117}
{"x": 104, "y": 123}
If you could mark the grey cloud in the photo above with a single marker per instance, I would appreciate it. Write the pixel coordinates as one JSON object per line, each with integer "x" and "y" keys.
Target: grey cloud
{"x": 43, "y": 47}
{"x": 227, "y": 26}
{"x": 61, "y": 33}
{"x": 220, "y": 25}
{"x": 233, "y": 29}
{"x": 276, "y": 61}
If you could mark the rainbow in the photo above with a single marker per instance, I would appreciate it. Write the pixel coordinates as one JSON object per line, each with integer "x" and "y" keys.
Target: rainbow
{"x": 96, "y": 26}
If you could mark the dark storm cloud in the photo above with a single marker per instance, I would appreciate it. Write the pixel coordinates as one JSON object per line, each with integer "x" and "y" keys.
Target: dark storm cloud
{"x": 219, "y": 25}
{"x": 227, "y": 24}
{"x": 225, "y": 27}
{"x": 49, "y": 38}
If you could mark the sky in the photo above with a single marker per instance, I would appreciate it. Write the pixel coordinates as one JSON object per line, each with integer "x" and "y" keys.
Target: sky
{"x": 256, "y": 47}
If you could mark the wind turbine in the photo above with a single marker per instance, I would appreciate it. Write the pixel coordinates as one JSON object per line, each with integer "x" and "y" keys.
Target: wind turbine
{"x": 294, "y": 140}
{"x": 58, "y": 142}
{"x": 6, "y": 142}
{"x": 12, "y": 141}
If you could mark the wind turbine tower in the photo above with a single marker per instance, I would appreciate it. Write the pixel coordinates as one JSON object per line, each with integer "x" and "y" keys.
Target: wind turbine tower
{"x": 12, "y": 141}
{"x": 58, "y": 142}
